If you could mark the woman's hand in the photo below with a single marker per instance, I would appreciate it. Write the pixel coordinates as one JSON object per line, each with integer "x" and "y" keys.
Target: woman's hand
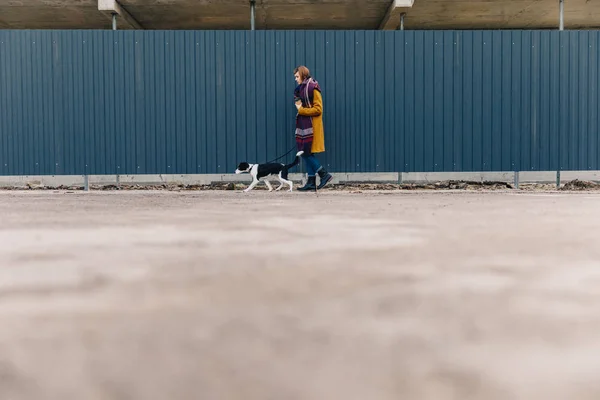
{"x": 298, "y": 104}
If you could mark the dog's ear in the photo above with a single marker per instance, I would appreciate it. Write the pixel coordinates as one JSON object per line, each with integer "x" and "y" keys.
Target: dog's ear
{"x": 243, "y": 166}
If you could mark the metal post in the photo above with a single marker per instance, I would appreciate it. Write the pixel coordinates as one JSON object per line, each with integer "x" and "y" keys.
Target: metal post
{"x": 252, "y": 14}
{"x": 561, "y": 14}
{"x": 86, "y": 183}
{"x": 516, "y": 179}
{"x": 114, "y": 21}
{"x": 402, "y": 21}
{"x": 558, "y": 179}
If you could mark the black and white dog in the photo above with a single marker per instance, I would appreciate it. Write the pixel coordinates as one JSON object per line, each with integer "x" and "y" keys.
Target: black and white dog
{"x": 264, "y": 171}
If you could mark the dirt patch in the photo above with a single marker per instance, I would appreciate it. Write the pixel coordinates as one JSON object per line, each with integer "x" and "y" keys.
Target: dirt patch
{"x": 580, "y": 185}
{"x": 575, "y": 185}
{"x": 350, "y": 186}
{"x": 443, "y": 185}
{"x": 462, "y": 185}
{"x": 361, "y": 186}
{"x": 176, "y": 187}
{"x": 532, "y": 187}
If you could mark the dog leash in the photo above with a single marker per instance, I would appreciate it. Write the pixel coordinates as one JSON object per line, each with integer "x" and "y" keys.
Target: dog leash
{"x": 278, "y": 158}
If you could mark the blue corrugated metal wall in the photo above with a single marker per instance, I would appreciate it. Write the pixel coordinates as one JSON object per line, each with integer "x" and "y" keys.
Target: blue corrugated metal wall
{"x": 104, "y": 102}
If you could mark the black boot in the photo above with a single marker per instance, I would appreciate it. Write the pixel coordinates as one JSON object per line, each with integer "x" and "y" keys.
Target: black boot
{"x": 325, "y": 178}
{"x": 311, "y": 184}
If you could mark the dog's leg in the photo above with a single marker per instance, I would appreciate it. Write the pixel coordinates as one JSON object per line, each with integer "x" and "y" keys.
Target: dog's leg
{"x": 254, "y": 183}
{"x": 280, "y": 182}
{"x": 289, "y": 183}
{"x": 269, "y": 185}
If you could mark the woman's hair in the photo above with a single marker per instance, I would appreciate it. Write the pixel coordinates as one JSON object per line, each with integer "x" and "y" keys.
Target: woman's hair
{"x": 303, "y": 71}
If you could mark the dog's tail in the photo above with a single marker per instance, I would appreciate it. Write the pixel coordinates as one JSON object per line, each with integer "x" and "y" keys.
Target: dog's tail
{"x": 284, "y": 170}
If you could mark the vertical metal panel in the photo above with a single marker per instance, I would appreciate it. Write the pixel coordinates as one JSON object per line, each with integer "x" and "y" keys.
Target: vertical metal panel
{"x": 592, "y": 102}
{"x": 532, "y": 144}
{"x": 429, "y": 104}
{"x": 127, "y": 133}
{"x": 496, "y": 107}
{"x": 515, "y": 102}
{"x": 506, "y": 160}
{"x": 199, "y": 106}
{"x": 3, "y": 104}
{"x": 555, "y": 101}
{"x": 269, "y": 104}
{"x": 17, "y": 91}
{"x": 139, "y": 95}
{"x": 583, "y": 117}
{"x": 466, "y": 90}
{"x": 487, "y": 93}
{"x": 126, "y": 102}
{"x": 526, "y": 108}
{"x": 362, "y": 105}
{"x": 437, "y": 107}
{"x": 190, "y": 99}
{"x": 573, "y": 127}
{"x": 87, "y": 99}
{"x": 150, "y": 89}
{"x": 477, "y": 105}
{"x": 457, "y": 103}
{"x": 25, "y": 66}
{"x": 261, "y": 96}
{"x": 118, "y": 101}
{"x": 545, "y": 100}
{"x": 564, "y": 77}
{"x": 412, "y": 145}
{"x": 69, "y": 109}
{"x": 179, "y": 88}
{"x": 381, "y": 142}
{"x": 447, "y": 102}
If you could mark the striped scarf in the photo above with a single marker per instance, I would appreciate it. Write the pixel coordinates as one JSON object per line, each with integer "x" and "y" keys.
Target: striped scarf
{"x": 304, "y": 127}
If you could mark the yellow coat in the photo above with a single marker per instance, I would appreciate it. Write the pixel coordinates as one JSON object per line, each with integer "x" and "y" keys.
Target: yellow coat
{"x": 316, "y": 112}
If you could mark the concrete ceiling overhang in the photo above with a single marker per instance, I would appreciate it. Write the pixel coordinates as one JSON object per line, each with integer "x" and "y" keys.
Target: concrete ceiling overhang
{"x": 302, "y": 14}
{"x": 395, "y": 11}
{"x": 113, "y": 9}
{"x": 502, "y": 14}
{"x": 270, "y": 14}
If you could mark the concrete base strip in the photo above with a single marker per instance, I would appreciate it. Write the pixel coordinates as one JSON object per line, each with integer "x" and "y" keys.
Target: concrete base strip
{"x": 352, "y": 177}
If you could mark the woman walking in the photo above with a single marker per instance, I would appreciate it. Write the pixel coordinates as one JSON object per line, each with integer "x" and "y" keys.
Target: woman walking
{"x": 310, "y": 136}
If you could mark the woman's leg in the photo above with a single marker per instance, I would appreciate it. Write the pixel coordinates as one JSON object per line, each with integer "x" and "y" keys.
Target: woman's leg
{"x": 316, "y": 165}
{"x": 311, "y": 170}
{"x": 310, "y": 165}
{"x": 323, "y": 174}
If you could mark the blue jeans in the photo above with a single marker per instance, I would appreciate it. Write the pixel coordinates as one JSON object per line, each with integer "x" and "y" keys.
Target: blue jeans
{"x": 312, "y": 164}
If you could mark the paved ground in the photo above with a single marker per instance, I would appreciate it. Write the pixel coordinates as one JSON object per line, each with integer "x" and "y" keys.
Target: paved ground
{"x": 223, "y": 295}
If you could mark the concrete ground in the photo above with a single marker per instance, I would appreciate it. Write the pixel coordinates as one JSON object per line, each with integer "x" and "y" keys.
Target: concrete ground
{"x": 222, "y": 295}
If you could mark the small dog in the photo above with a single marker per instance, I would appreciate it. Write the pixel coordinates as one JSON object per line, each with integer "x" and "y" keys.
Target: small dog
{"x": 263, "y": 171}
